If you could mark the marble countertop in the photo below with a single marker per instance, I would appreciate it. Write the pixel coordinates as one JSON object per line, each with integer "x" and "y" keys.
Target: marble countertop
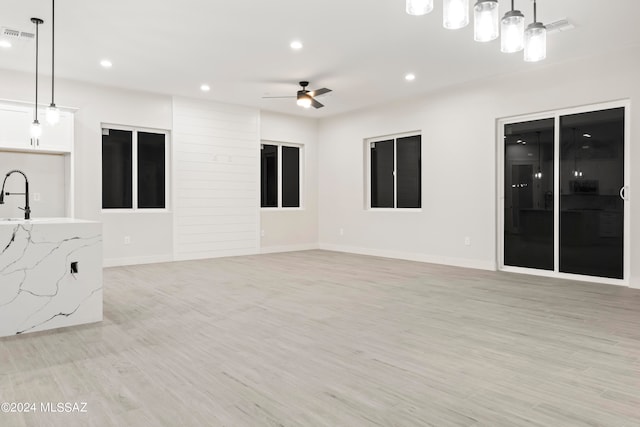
{"x": 17, "y": 221}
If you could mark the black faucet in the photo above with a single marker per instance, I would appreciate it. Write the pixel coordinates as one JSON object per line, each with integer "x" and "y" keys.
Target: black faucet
{"x": 26, "y": 209}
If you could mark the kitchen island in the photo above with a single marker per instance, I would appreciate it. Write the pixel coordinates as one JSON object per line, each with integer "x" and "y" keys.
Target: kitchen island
{"x": 50, "y": 274}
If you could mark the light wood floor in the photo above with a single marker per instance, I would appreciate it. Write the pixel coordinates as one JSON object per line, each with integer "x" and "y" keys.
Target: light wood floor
{"x": 327, "y": 339}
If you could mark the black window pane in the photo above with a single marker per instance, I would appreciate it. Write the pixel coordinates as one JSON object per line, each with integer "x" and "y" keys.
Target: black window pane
{"x": 528, "y": 203}
{"x": 269, "y": 176}
{"x": 382, "y": 163}
{"x": 408, "y": 173}
{"x": 591, "y": 209}
{"x": 290, "y": 177}
{"x": 151, "y": 170}
{"x": 116, "y": 169}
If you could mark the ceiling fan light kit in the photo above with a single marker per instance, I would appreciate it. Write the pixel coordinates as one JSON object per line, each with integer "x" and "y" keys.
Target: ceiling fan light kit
{"x": 488, "y": 25}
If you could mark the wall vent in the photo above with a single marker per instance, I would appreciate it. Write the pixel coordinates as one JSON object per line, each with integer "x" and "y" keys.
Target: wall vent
{"x": 559, "y": 26}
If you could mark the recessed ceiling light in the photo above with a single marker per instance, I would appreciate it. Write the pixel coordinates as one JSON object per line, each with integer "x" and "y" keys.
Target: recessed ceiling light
{"x": 5, "y": 43}
{"x": 587, "y": 135}
{"x": 205, "y": 88}
{"x": 410, "y": 77}
{"x": 106, "y": 63}
{"x": 296, "y": 45}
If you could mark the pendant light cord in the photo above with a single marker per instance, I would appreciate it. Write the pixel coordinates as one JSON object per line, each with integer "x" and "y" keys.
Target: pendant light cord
{"x": 535, "y": 12}
{"x": 35, "y": 110}
{"x": 53, "y": 48}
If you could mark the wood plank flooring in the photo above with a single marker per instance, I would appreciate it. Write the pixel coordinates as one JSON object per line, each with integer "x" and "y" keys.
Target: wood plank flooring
{"x": 320, "y": 338}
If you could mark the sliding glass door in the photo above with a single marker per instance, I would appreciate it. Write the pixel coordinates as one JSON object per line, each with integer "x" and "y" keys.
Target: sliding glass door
{"x": 562, "y": 193}
{"x": 528, "y": 191}
{"x": 591, "y": 193}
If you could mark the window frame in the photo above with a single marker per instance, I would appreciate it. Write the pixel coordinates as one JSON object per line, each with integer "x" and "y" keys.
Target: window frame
{"x": 301, "y": 172}
{"x": 367, "y": 172}
{"x": 134, "y": 169}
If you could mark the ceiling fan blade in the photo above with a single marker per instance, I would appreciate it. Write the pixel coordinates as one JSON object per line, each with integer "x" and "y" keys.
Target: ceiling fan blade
{"x": 316, "y": 104}
{"x": 278, "y": 97}
{"x": 318, "y": 92}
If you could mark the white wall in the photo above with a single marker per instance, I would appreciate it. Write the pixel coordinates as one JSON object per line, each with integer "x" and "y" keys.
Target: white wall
{"x": 216, "y": 177}
{"x": 46, "y": 173}
{"x": 459, "y": 160}
{"x": 292, "y": 229}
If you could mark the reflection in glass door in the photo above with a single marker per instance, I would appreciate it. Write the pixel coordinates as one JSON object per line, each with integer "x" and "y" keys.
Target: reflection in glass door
{"x": 528, "y": 190}
{"x": 564, "y": 194}
{"x": 591, "y": 191}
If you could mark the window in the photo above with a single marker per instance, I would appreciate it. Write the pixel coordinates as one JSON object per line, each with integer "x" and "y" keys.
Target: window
{"x": 395, "y": 172}
{"x": 280, "y": 176}
{"x": 134, "y": 165}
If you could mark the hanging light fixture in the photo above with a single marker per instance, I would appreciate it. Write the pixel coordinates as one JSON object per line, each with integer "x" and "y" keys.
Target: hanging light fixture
{"x": 512, "y": 31}
{"x": 455, "y": 14}
{"x": 486, "y": 20}
{"x": 419, "y": 7}
{"x": 535, "y": 39}
{"x": 53, "y": 114}
{"x": 577, "y": 173}
{"x": 36, "y": 129}
{"x": 538, "y": 175}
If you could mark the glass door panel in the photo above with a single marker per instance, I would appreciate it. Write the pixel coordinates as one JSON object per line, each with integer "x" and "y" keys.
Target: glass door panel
{"x": 591, "y": 182}
{"x": 529, "y": 194}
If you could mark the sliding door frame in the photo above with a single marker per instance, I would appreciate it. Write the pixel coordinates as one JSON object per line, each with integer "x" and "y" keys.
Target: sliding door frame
{"x": 556, "y": 114}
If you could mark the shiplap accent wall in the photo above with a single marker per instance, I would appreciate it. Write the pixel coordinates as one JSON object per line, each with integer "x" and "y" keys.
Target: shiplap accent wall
{"x": 216, "y": 169}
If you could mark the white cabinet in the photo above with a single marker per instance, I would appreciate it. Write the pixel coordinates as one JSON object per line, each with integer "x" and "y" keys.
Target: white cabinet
{"x": 15, "y": 130}
{"x": 58, "y": 137}
{"x": 15, "y": 125}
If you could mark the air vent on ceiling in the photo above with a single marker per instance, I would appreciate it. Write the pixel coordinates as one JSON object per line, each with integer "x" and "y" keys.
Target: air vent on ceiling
{"x": 559, "y": 26}
{"x": 11, "y": 34}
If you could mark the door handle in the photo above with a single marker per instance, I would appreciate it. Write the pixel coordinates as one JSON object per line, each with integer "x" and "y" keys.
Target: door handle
{"x": 623, "y": 193}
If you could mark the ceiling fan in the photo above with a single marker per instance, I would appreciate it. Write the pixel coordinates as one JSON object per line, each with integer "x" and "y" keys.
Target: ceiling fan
{"x": 306, "y": 98}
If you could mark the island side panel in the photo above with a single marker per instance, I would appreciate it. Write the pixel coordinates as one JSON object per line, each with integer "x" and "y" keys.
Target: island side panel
{"x": 38, "y": 290}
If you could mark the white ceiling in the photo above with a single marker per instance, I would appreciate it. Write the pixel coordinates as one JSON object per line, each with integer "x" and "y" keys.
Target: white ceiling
{"x": 359, "y": 48}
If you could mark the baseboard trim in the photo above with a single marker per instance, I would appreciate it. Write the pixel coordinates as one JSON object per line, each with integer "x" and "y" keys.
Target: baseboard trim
{"x": 412, "y": 256}
{"x": 288, "y": 248}
{"x": 120, "y": 262}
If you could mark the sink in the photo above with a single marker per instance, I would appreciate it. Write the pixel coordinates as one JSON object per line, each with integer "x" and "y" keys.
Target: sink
{"x": 32, "y": 220}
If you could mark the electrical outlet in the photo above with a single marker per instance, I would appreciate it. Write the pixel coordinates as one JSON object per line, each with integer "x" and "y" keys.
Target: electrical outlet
{"x": 467, "y": 241}
{"x": 261, "y": 233}
{"x": 127, "y": 240}
{"x": 36, "y": 197}
{"x": 341, "y": 231}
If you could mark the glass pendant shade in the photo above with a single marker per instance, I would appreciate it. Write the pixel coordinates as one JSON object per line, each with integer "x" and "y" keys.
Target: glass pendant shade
{"x": 486, "y": 20}
{"x": 419, "y": 7}
{"x": 512, "y": 32}
{"x": 36, "y": 129}
{"x": 455, "y": 14}
{"x": 535, "y": 42}
{"x": 53, "y": 114}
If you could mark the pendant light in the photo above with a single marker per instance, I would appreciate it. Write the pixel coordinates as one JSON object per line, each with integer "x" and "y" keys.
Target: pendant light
{"x": 535, "y": 39}
{"x": 577, "y": 173}
{"x": 512, "y": 31}
{"x": 538, "y": 175}
{"x": 455, "y": 14}
{"x": 53, "y": 114}
{"x": 36, "y": 129}
{"x": 419, "y": 7}
{"x": 486, "y": 20}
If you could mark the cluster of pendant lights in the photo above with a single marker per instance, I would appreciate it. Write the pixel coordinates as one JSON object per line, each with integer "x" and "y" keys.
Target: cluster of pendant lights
{"x": 488, "y": 25}
{"x": 52, "y": 112}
